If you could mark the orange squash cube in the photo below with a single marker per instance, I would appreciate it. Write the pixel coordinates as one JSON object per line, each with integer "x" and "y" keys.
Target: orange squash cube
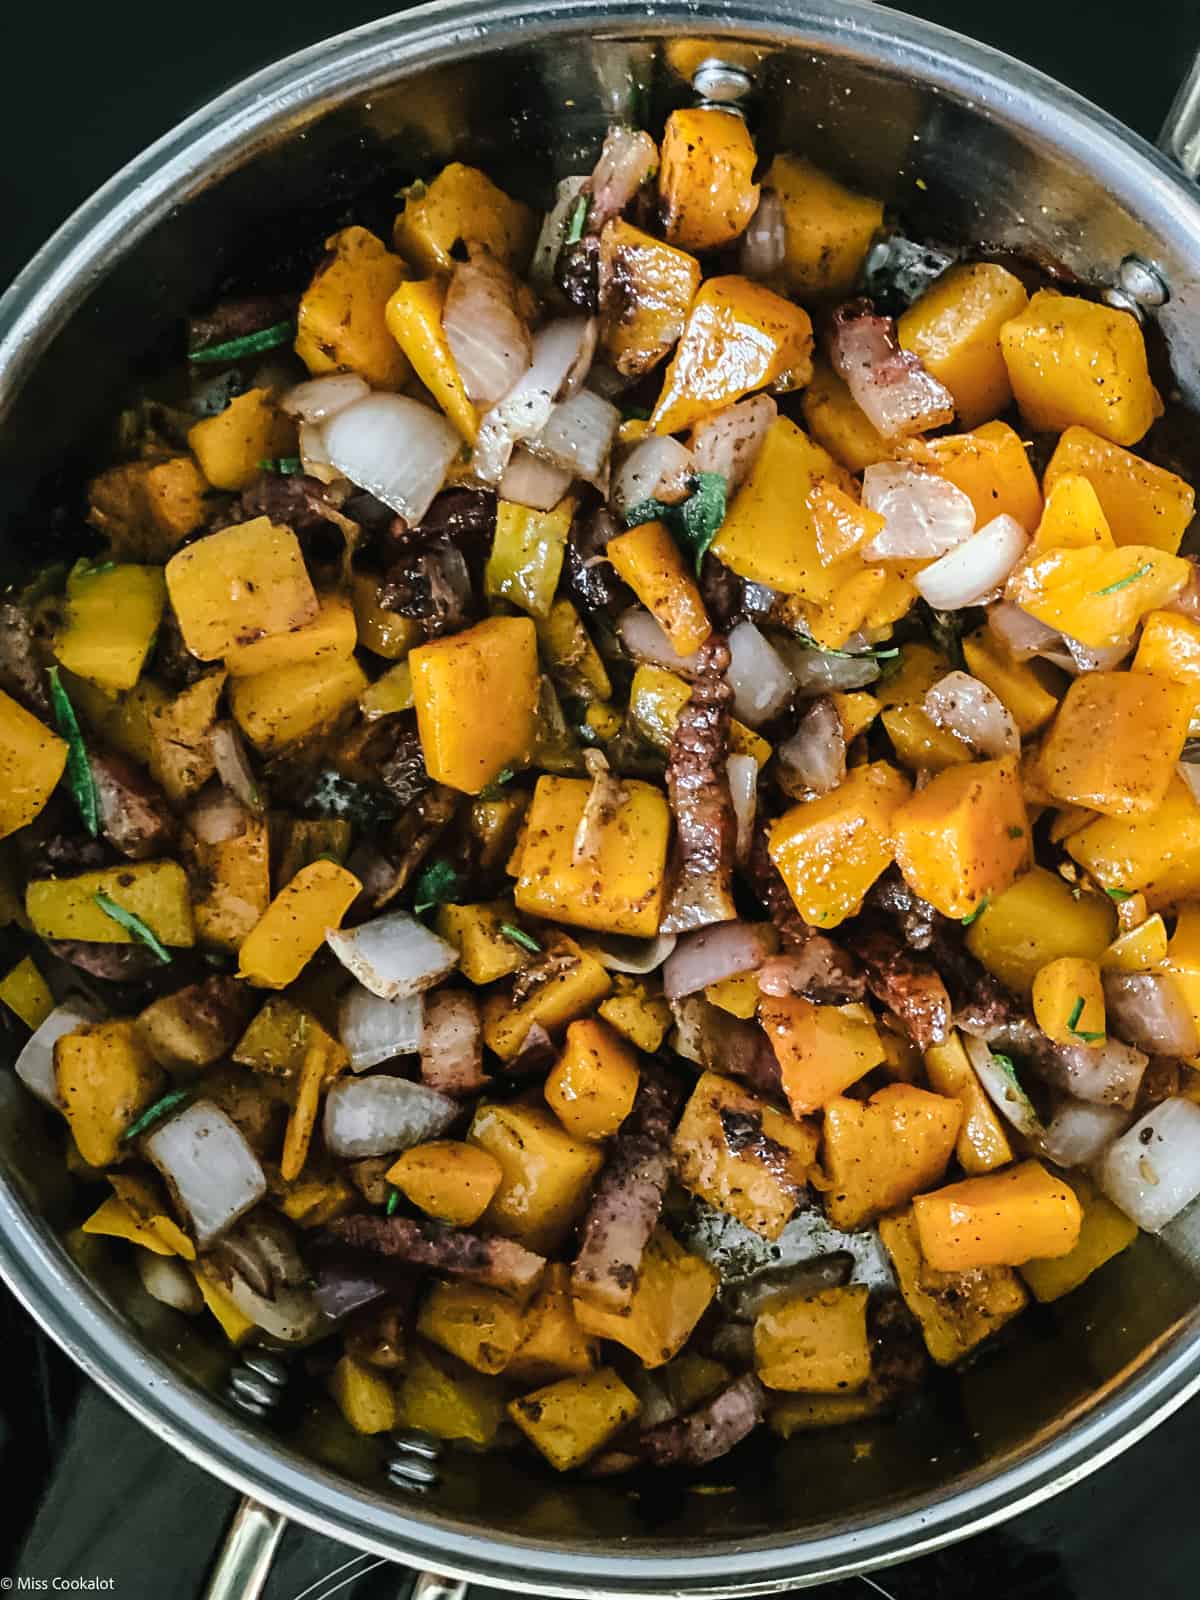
{"x": 827, "y": 228}
{"x": 817, "y": 1343}
{"x": 954, "y": 327}
{"x": 288, "y": 703}
{"x": 981, "y": 1144}
{"x": 31, "y": 763}
{"x": 332, "y": 632}
{"x": 1116, "y": 739}
{"x": 1095, "y": 594}
{"x": 476, "y": 696}
{"x": 952, "y": 1321}
{"x": 546, "y": 1175}
{"x": 649, "y": 560}
{"x": 1025, "y": 687}
{"x": 839, "y": 424}
{"x": 650, "y": 289}
{"x": 917, "y": 740}
{"x": 821, "y": 1050}
{"x": 293, "y": 927}
{"x": 1144, "y": 503}
{"x": 462, "y": 203}
{"x": 1068, "y": 1001}
{"x": 1158, "y": 853}
{"x": 592, "y": 1085}
{"x": 341, "y": 325}
{"x": 842, "y": 526}
{"x": 230, "y": 445}
{"x": 1073, "y": 518}
{"x": 414, "y": 319}
{"x": 991, "y": 467}
{"x": 704, "y": 178}
{"x": 1169, "y": 647}
{"x": 673, "y": 1292}
{"x": 881, "y": 1152}
{"x": 1001, "y": 1220}
{"x": 964, "y": 837}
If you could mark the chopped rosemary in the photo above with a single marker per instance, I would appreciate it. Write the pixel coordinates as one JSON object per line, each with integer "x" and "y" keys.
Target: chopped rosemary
{"x": 577, "y": 219}
{"x": 1119, "y": 894}
{"x": 393, "y": 1200}
{"x": 79, "y": 769}
{"x": 978, "y": 911}
{"x": 134, "y": 925}
{"x": 1076, "y": 1013}
{"x": 518, "y": 936}
{"x": 1123, "y": 583}
{"x": 1016, "y": 833}
{"x": 156, "y": 1112}
{"x": 285, "y": 466}
{"x": 249, "y": 344}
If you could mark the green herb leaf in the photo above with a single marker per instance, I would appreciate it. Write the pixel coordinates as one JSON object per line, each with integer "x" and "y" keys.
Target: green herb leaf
{"x": 156, "y": 1112}
{"x": 79, "y": 768}
{"x": 436, "y": 884}
{"x": 1076, "y": 1013}
{"x": 1088, "y": 1038}
{"x": 285, "y": 466}
{"x": 694, "y": 523}
{"x": 647, "y": 511}
{"x": 250, "y": 344}
{"x": 1123, "y": 583}
{"x": 577, "y": 218}
{"x": 978, "y": 911}
{"x": 635, "y": 413}
{"x": 130, "y": 921}
{"x": 883, "y": 652}
{"x": 495, "y": 789}
{"x": 1119, "y": 894}
{"x": 1016, "y": 833}
{"x": 84, "y": 568}
{"x": 393, "y": 1201}
{"x": 518, "y": 936}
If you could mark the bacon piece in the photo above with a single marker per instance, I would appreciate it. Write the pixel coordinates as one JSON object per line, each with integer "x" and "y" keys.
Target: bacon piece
{"x": 497, "y": 1263}
{"x": 889, "y": 384}
{"x": 452, "y": 1043}
{"x": 698, "y": 787}
{"x": 713, "y": 1038}
{"x": 710, "y": 1431}
{"x": 909, "y": 988}
{"x": 134, "y": 814}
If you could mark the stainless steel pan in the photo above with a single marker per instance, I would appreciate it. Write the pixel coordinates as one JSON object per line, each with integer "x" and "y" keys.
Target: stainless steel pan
{"x": 963, "y": 141}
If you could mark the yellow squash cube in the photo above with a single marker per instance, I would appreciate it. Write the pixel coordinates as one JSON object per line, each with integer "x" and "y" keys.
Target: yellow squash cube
{"x": 762, "y": 1196}
{"x": 650, "y": 286}
{"x": 955, "y": 1314}
{"x": 235, "y": 1325}
{"x": 619, "y": 887}
{"x": 1169, "y": 647}
{"x": 592, "y": 1086}
{"x": 964, "y": 837}
{"x": 484, "y": 953}
{"x": 1068, "y": 1001}
{"x": 449, "y": 1180}
{"x": 739, "y": 337}
{"x": 31, "y": 763}
{"x": 332, "y": 632}
{"x": 1097, "y": 595}
{"x": 838, "y": 423}
{"x": 954, "y": 327}
{"x": 570, "y": 1420}
{"x": 463, "y": 205}
{"x": 649, "y": 560}
{"x": 1138, "y": 949}
{"x": 414, "y": 319}
{"x": 1073, "y": 518}
{"x": 821, "y": 1050}
{"x": 154, "y": 891}
{"x": 1144, "y": 503}
{"x": 981, "y": 1144}
{"x": 704, "y": 178}
{"x": 1115, "y": 742}
{"x": 1105, "y": 1232}
{"x": 881, "y": 1152}
{"x": 147, "y": 1202}
{"x": 991, "y": 467}
{"x": 244, "y": 583}
{"x": 442, "y": 1397}
{"x": 106, "y": 1078}
{"x": 674, "y": 1290}
{"x": 385, "y": 632}
{"x": 527, "y": 555}
{"x": 236, "y": 879}
{"x": 111, "y": 622}
{"x": 1034, "y": 922}
{"x": 917, "y": 740}
{"x": 656, "y": 697}
{"x": 1076, "y": 362}
{"x": 1158, "y": 853}
{"x": 1001, "y": 1220}
{"x": 1025, "y": 690}
{"x": 112, "y": 1219}
{"x": 827, "y": 228}
{"x": 830, "y": 851}
{"x": 364, "y": 1397}
{"x": 232, "y": 445}
{"x": 476, "y": 695}
{"x": 572, "y": 988}
{"x": 817, "y": 1343}
{"x": 482, "y": 1327}
{"x": 145, "y": 508}
{"x": 546, "y": 1175}
{"x": 553, "y": 1344}
{"x": 294, "y": 925}
{"x": 287, "y": 704}
{"x": 638, "y": 1012}
{"x": 26, "y": 993}
{"x": 342, "y": 323}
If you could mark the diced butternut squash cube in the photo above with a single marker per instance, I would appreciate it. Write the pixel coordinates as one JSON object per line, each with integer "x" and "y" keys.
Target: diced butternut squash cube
{"x": 244, "y": 583}
{"x": 235, "y": 1325}
{"x": 476, "y": 695}
{"x": 1035, "y": 921}
{"x": 964, "y": 837}
{"x": 106, "y": 1078}
{"x": 830, "y": 851}
{"x": 650, "y": 286}
{"x": 879, "y": 1153}
{"x": 287, "y": 704}
{"x": 26, "y": 993}
{"x": 414, "y": 319}
{"x": 385, "y": 632}
{"x": 449, "y": 1180}
{"x": 1115, "y": 742}
{"x": 592, "y": 1085}
{"x": 145, "y": 508}
{"x": 342, "y": 322}
{"x": 1001, "y": 1220}
{"x": 821, "y": 1050}
{"x": 649, "y": 560}
{"x": 277, "y": 1040}
{"x": 616, "y": 889}
{"x": 1024, "y": 689}
{"x": 294, "y": 925}
{"x": 364, "y": 1397}
{"x": 147, "y": 1201}
{"x": 1144, "y": 504}
{"x": 656, "y": 697}
{"x": 1094, "y": 594}
{"x": 841, "y": 524}
{"x": 673, "y": 1292}
{"x": 1068, "y": 1001}
{"x": 236, "y": 877}
{"x": 442, "y": 1397}
{"x": 768, "y": 535}
{"x": 1138, "y": 949}
{"x": 827, "y": 228}
{"x": 738, "y": 995}
{"x": 1104, "y": 1233}
{"x": 112, "y": 1219}
{"x": 570, "y": 1420}
{"x": 179, "y": 732}
{"x": 739, "y": 337}
{"x": 816, "y": 1343}
{"x": 527, "y": 555}
{"x": 332, "y": 632}
{"x": 1075, "y": 362}
{"x": 232, "y": 445}
{"x": 991, "y": 467}
{"x": 1158, "y": 853}
{"x": 917, "y": 740}
{"x": 1073, "y": 518}
{"x": 839, "y": 424}
{"x": 1169, "y": 647}
{"x": 570, "y": 989}
{"x": 31, "y": 763}
{"x": 956, "y": 1311}
{"x": 463, "y": 205}
{"x": 954, "y": 327}
{"x": 641, "y": 1015}
{"x": 705, "y": 176}
{"x": 123, "y": 720}
{"x": 546, "y": 1174}
{"x": 854, "y": 597}
{"x": 731, "y": 1174}
{"x": 112, "y": 618}
{"x": 484, "y": 953}
{"x": 981, "y": 1144}
{"x": 388, "y": 694}
{"x": 154, "y": 891}
{"x": 482, "y": 1327}
{"x": 553, "y": 1344}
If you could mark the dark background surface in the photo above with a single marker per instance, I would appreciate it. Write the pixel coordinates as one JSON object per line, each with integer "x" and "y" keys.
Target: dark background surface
{"x": 85, "y": 1491}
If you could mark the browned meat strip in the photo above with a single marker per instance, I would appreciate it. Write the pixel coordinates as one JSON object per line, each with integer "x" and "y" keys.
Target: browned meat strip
{"x": 722, "y": 591}
{"x": 727, "y": 1044}
{"x": 20, "y": 670}
{"x": 385, "y": 866}
{"x": 234, "y": 319}
{"x": 498, "y": 1263}
{"x": 980, "y": 1001}
{"x": 134, "y": 814}
{"x": 710, "y": 1431}
{"x": 431, "y": 585}
{"x": 916, "y": 918}
{"x": 117, "y": 963}
{"x": 291, "y": 500}
{"x": 588, "y": 576}
{"x": 1108, "y": 1075}
{"x": 628, "y": 1198}
{"x": 743, "y": 1301}
{"x": 909, "y": 988}
{"x": 698, "y": 786}
{"x": 898, "y": 1358}
{"x": 811, "y": 964}
{"x": 174, "y": 663}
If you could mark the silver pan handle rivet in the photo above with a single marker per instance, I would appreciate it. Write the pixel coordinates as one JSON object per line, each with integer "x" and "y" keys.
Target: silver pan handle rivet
{"x": 721, "y": 85}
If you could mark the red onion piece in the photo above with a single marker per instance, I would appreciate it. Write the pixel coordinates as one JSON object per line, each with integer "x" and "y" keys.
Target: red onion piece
{"x": 814, "y": 758}
{"x": 167, "y": 1280}
{"x": 1002, "y": 1088}
{"x": 761, "y": 682}
{"x": 396, "y": 448}
{"x": 1190, "y": 773}
{"x": 1149, "y": 1011}
{"x": 821, "y": 672}
{"x": 974, "y": 569}
{"x": 627, "y": 160}
{"x": 710, "y": 955}
{"x": 621, "y": 952}
{"x": 889, "y": 384}
{"x": 969, "y": 709}
{"x": 486, "y": 333}
{"x": 728, "y": 443}
{"x": 35, "y": 1064}
{"x": 452, "y": 1043}
{"x": 925, "y": 515}
{"x": 374, "y": 1030}
{"x": 1153, "y": 1171}
{"x": 553, "y": 230}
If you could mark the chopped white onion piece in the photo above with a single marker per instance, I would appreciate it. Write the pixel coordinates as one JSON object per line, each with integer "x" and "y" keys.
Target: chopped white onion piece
{"x": 645, "y": 640}
{"x": 925, "y": 515}
{"x": 212, "y": 1172}
{"x": 762, "y": 684}
{"x": 1190, "y": 773}
{"x": 743, "y": 790}
{"x": 293, "y": 1316}
{"x": 318, "y": 399}
{"x": 969, "y": 709}
{"x": 216, "y": 815}
{"x": 233, "y": 765}
{"x": 764, "y": 243}
{"x": 579, "y": 436}
{"x": 889, "y": 384}
{"x": 814, "y": 758}
{"x": 1082, "y": 658}
{"x": 483, "y": 327}
{"x": 1153, "y": 1171}
{"x": 554, "y": 227}
{"x": 530, "y": 482}
{"x": 374, "y": 1116}
{"x": 1150, "y": 1011}
{"x": 971, "y": 571}
{"x": 562, "y": 352}
{"x": 396, "y": 448}
{"x": 374, "y": 1030}
{"x": 621, "y": 952}
{"x": 314, "y": 456}
{"x": 35, "y": 1064}
{"x": 166, "y": 1279}
{"x": 1078, "y": 1133}
{"x": 1021, "y": 635}
{"x": 658, "y": 468}
{"x": 728, "y": 443}
{"x": 1001, "y": 1087}
{"x": 712, "y": 954}
{"x": 393, "y": 954}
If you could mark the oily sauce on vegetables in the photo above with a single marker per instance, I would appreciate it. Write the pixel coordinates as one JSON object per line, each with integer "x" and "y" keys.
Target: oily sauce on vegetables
{"x": 579, "y": 723}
